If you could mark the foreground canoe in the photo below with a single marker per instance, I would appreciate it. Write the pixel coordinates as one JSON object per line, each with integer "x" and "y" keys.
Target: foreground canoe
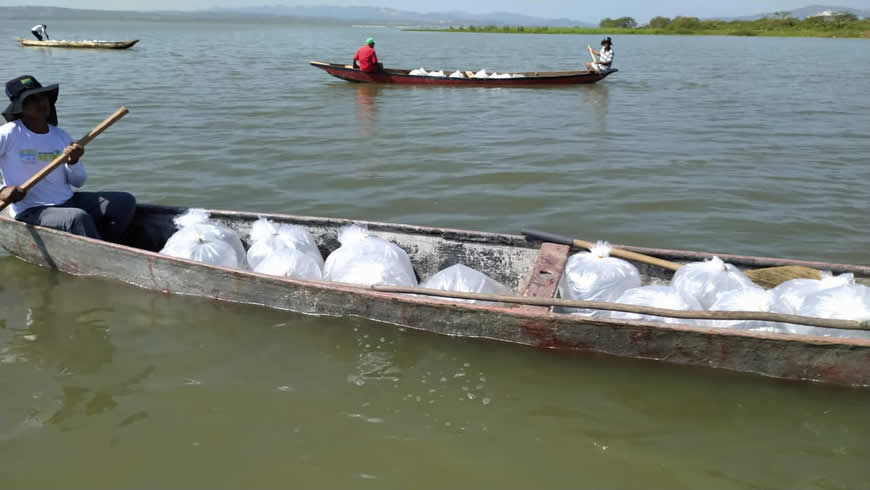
{"x": 77, "y": 44}
{"x": 529, "y": 269}
{"x": 403, "y": 77}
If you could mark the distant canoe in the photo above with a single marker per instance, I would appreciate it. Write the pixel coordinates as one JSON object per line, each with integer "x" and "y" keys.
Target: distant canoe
{"x": 77, "y": 44}
{"x": 404, "y": 77}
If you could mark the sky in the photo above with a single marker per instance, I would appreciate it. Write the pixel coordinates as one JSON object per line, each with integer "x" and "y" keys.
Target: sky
{"x": 591, "y": 11}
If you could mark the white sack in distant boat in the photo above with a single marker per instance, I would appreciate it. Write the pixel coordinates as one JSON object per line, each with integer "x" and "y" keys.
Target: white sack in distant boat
{"x": 439, "y": 73}
{"x": 500, "y": 75}
{"x": 596, "y": 276}
{"x": 267, "y": 238}
{"x": 418, "y": 72}
{"x": 464, "y": 279}
{"x": 457, "y": 74}
{"x": 705, "y": 280}
{"x": 204, "y": 241}
{"x": 657, "y": 296}
{"x": 789, "y": 296}
{"x": 480, "y": 74}
{"x": 368, "y": 260}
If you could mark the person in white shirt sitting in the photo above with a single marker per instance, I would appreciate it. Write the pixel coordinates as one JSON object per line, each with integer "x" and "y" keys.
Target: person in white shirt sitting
{"x": 39, "y": 30}
{"x": 29, "y": 142}
{"x": 605, "y": 57}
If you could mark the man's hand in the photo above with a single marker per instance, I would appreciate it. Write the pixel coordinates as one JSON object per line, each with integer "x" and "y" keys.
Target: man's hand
{"x": 11, "y": 193}
{"x": 75, "y": 152}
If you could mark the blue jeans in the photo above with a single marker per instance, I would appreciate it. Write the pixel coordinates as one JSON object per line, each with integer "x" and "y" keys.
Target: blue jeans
{"x": 100, "y": 215}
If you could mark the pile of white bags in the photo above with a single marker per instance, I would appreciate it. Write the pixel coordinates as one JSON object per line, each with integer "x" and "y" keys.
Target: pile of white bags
{"x": 657, "y": 296}
{"x": 754, "y": 299}
{"x": 367, "y": 260}
{"x": 596, "y": 276}
{"x": 464, "y": 279}
{"x": 284, "y": 250}
{"x": 205, "y": 241}
{"x": 705, "y": 280}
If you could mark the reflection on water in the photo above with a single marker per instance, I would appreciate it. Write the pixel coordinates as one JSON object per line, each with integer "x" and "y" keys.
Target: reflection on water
{"x": 366, "y": 108}
{"x": 596, "y": 101}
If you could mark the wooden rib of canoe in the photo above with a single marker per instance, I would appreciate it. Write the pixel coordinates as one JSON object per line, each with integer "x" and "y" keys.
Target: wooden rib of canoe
{"x": 403, "y": 77}
{"x": 76, "y": 44}
{"x": 530, "y": 269}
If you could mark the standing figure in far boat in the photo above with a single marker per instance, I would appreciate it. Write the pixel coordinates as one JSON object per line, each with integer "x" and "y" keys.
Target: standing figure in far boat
{"x": 29, "y": 142}
{"x": 39, "y": 30}
{"x": 605, "y": 57}
{"x": 368, "y": 60}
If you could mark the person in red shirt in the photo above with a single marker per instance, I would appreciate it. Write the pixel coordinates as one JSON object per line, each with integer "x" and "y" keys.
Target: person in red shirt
{"x": 368, "y": 60}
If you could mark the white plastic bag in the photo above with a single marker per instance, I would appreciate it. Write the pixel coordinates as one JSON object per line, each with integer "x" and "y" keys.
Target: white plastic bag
{"x": 847, "y": 302}
{"x": 789, "y": 296}
{"x": 464, "y": 279}
{"x": 596, "y": 276}
{"x": 367, "y": 260}
{"x": 657, "y": 296}
{"x": 705, "y": 280}
{"x": 439, "y": 73}
{"x": 268, "y": 238}
{"x": 419, "y": 72}
{"x": 754, "y": 299}
{"x": 481, "y": 74}
{"x": 204, "y": 241}
{"x": 457, "y": 74}
{"x": 289, "y": 262}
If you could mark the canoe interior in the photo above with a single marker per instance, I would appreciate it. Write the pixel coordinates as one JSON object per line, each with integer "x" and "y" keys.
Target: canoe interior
{"x": 508, "y": 259}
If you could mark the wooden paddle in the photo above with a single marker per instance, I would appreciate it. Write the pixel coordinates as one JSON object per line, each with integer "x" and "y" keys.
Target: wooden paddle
{"x": 768, "y": 277}
{"x": 594, "y": 61}
{"x": 63, "y": 157}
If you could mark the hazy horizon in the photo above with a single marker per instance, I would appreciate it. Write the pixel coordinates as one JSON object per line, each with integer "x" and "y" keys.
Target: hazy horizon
{"x": 639, "y": 9}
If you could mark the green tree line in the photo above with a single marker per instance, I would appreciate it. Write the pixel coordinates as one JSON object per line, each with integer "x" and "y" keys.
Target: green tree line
{"x": 776, "y": 24}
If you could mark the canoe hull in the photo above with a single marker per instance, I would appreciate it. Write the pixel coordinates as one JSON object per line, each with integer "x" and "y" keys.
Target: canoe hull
{"x": 401, "y": 77}
{"x": 830, "y": 360}
{"x": 77, "y": 44}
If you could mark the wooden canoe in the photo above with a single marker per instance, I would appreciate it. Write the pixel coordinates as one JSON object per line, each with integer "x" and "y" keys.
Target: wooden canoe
{"x": 77, "y": 44}
{"x": 403, "y": 77}
{"x": 529, "y": 269}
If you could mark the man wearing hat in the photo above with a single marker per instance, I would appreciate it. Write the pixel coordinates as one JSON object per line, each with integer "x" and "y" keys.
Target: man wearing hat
{"x": 29, "y": 141}
{"x": 605, "y": 57}
{"x": 368, "y": 60}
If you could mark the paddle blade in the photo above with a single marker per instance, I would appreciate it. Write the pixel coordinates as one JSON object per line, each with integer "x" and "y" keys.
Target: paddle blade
{"x": 770, "y": 277}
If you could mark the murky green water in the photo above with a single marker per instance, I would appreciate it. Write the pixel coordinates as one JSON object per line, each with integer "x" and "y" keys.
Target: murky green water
{"x": 109, "y": 386}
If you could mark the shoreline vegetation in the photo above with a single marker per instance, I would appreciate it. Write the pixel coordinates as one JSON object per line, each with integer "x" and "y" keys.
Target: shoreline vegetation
{"x": 780, "y": 24}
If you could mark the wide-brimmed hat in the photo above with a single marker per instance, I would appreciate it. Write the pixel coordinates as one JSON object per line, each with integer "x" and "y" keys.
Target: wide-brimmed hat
{"x": 22, "y": 87}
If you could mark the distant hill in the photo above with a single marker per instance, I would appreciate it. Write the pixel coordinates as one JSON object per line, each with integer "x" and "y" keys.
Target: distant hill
{"x": 804, "y": 12}
{"x": 381, "y": 15}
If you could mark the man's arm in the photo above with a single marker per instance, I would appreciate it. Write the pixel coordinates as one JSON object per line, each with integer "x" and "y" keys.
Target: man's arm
{"x": 11, "y": 193}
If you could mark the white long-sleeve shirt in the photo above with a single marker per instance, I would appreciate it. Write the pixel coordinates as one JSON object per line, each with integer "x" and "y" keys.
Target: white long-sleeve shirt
{"x": 40, "y": 28}
{"x": 23, "y": 153}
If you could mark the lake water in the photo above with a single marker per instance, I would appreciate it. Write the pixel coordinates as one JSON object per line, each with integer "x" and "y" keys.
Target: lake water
{"x": 743, "y": 145}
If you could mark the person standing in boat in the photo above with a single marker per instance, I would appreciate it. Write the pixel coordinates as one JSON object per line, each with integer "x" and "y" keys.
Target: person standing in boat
{"x": 367, "y": 58}
{"x": 39, "y": 30}
{"x": 605, "y": 57}
{"x": 29, "y": 141}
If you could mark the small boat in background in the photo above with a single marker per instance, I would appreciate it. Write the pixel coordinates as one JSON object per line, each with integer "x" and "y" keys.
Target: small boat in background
{"x": 77, "y": 44}
{"x": 517, "y": 79}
